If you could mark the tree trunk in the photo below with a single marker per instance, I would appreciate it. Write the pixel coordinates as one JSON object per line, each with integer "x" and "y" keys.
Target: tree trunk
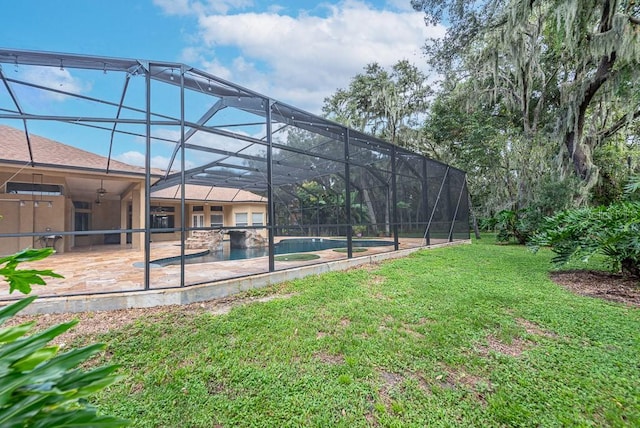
{"x": 372, "y": 213}
{"x": 578, "y": 150}
{"x": 474, "y": 220}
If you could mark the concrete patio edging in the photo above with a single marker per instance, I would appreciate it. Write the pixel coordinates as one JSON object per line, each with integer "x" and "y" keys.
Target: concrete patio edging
{"x": 204, "y": 292}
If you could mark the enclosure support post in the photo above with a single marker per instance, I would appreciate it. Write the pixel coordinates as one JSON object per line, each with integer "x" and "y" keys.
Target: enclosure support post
{"x": 271, "y": 208}
{"x": 425, "y": 197}
{"x": 147, "y": 182}
{"x": 435, "y": 205}
{"x": 455, "y": 214}
{"x": 394, "y": 197}
{"x": 347, "y": 197}
{"x": 183, "y": 210}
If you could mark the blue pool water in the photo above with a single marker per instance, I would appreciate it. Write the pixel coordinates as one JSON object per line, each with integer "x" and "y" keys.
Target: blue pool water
{"x": 285, "y": 246}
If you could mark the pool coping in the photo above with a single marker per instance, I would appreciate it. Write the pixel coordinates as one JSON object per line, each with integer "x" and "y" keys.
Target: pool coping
{"x": 205, "y": 292}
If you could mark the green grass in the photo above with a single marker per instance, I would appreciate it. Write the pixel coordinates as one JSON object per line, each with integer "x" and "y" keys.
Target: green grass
{"x": 296, "y": 257}
{"x": 355, "y": 250}
{"x": 427, "y": 340}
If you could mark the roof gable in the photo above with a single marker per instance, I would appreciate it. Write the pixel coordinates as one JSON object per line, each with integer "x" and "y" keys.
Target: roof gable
{"x": 52, "y": 153}
{"x": 208, "y": 194}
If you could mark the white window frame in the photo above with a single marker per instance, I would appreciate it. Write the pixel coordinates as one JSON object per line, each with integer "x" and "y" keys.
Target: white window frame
{"x": 239, "y": 216}
{"x": 257, "y": 223}
{"x": 217, "y": 224}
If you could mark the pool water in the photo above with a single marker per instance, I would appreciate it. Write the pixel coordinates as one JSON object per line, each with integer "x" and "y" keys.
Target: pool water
{"x": 285, "y": 246}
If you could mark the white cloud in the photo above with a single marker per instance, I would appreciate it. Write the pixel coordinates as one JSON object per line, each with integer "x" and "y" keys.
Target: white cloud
{"x": 191, "y": 7}
{"x": 138, "y": 159}
{"x": 400, "y": 4}
{"x": 302, "y": 59}
{"x": 56, "y": 79}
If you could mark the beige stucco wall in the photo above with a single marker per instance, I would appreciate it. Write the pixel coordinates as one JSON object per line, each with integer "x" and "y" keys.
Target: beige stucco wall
{"x": 59, "y": 217}
{"x": 36, "y": 213}
{"x": 27, "y": 218}
{"x": 111, "y": 214}
{"x": 228, "y": 212}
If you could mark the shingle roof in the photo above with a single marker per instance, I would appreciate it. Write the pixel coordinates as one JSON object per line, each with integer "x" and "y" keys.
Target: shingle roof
{"x": 50, "y": 153}
{"x": 208, "y": 193}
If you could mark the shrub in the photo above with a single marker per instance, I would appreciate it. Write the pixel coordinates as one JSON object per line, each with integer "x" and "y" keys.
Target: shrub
{"x": 612, "y": 231}
{"x": 519, "y": 225}
{"x": 40, "y": 387}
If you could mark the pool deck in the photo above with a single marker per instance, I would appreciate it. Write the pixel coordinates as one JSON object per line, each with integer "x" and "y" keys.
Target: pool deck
{"x": 105, "y": 269}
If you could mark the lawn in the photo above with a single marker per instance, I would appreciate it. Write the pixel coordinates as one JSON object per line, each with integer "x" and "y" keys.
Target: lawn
{"x": 471, "y": 335}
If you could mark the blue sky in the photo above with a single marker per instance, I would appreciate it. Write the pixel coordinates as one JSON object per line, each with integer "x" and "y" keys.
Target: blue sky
{"x": 298, "y": 52}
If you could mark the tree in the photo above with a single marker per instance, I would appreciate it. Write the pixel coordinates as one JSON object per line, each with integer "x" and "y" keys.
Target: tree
{"x": 386, "y": 104}
{"x": 577, "y": 61}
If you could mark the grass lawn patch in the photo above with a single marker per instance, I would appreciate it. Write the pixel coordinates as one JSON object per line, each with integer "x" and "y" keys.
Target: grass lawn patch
{"x": 469, "y": 335}
{"x": 296, "y": 257}
{"x": 355, "y": 250}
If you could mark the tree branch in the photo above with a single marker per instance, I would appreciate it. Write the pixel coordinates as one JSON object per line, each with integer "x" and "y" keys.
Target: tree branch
{"x": 619, "y": 124}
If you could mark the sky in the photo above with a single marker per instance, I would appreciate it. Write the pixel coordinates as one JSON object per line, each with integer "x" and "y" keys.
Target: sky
{"x": 295, "y": 51}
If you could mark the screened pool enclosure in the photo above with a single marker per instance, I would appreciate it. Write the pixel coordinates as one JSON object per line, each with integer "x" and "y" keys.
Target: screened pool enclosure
{"x": 123, "y": 164}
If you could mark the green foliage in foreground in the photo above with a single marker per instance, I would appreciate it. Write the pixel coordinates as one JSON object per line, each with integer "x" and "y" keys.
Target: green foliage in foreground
{"x": 612, "y": 231}
{"x": 23, "y": 279}
{"x": 40, "y": 387}
{"x": 472, "y": 335}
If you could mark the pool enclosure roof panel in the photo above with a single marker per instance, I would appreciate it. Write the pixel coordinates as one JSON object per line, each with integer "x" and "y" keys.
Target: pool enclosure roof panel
{"x": 222, "y": 130}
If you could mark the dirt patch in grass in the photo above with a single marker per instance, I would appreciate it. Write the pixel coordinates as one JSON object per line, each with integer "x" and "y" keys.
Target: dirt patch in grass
{"x": 601, "y": 285}
{"x": 377, "y": 279}
{"x": 513, "y": 349}
{"x": 94, "y": 323}
{"x": 456, "y": 378}
{"x": 534, "y": 329}
{"x": 410, "y": 330}
{"x": 389, "y": 382}
{"x": 329, "y": 358}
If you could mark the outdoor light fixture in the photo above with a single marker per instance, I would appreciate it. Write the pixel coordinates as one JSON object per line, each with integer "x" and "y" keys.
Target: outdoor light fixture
{"x": 101, "y": 191}
{"x": 171, "y": 77}
{"x": 36, "y": 204}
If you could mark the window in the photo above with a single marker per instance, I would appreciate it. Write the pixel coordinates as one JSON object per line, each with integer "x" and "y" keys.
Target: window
{"x": 162, "y": 218}
{"x": 197, "y": 220}
{"x": 34, "y": 189}
{"x": 216, "y": 208}
{"x": 217, "y": 220}
{"x": 81, "y": 216}
{"x": 242, "y": 219}
{"x": 257, "y": 219}
{"x": 81, "y": 205}
{"x": 198, "y": 208}
{"x": 81, "y": 221}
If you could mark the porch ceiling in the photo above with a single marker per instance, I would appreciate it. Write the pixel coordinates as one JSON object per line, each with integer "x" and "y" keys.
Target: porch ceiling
{"x": 87, "y": 188}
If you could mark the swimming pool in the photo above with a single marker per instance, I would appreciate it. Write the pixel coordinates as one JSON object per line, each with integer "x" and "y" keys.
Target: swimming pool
{"x": 285, "y": 246}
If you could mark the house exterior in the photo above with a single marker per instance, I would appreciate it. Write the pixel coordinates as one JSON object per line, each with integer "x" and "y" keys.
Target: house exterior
{"x": 54, "y": 192}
